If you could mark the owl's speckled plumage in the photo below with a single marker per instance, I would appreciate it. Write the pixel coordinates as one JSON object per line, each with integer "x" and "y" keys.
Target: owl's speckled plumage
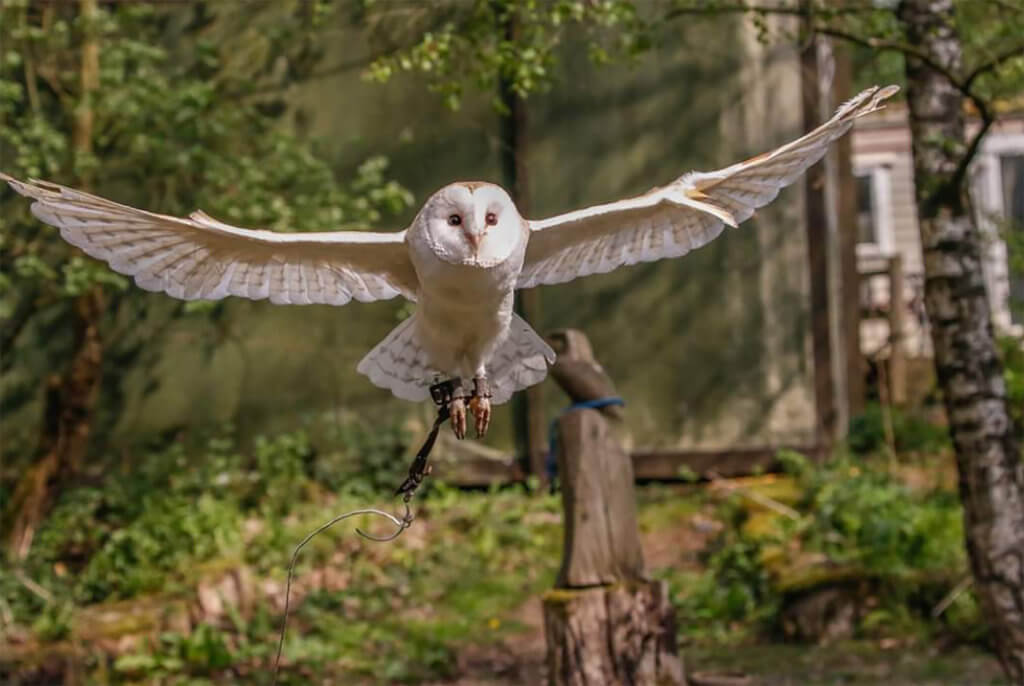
{"x": 462, "y": 274}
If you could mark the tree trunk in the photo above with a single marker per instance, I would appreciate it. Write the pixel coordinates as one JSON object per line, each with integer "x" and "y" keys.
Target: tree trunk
{"x": 67, "y": 423}
{"x": 970, "y": 373}
{"x": 817, "y": 257}
{"x": 846, "y": 199}
{"x": 528, "y": 406}
{"x": 71, "y": 396}
{"x": 622, "y": 634}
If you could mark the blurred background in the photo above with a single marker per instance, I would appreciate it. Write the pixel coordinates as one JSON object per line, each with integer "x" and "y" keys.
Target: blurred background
{"x": 161, "y": 459}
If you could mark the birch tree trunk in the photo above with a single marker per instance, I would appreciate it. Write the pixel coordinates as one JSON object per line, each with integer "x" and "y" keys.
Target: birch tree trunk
{"x": 970, "y": 373}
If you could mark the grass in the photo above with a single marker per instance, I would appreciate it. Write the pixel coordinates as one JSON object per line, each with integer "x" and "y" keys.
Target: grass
{"x": 111, "y": 560}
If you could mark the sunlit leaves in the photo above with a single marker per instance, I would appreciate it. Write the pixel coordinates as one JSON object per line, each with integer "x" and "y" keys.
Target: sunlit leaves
{"x": 178, "y": 123}
{"x": 80, "y": 274}
{"x": 479, "y": 43}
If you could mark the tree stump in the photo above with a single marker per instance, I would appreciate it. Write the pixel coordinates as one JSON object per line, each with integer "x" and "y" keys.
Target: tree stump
{"x": 620, "y": 634}
{"x": 605, "y": 622}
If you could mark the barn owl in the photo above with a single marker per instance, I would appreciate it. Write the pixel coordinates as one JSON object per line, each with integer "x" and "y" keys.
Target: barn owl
{"x": 460, "y": 261}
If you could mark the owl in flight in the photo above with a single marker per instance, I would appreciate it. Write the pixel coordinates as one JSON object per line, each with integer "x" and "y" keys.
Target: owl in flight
{"x": 461, "y": 260}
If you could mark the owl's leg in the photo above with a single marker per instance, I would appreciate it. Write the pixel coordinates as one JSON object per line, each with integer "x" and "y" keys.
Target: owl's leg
{"x": 480, "y": 404}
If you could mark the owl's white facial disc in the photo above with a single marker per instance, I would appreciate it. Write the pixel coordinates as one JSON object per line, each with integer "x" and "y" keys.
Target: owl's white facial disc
{"x": 472, "y": 224}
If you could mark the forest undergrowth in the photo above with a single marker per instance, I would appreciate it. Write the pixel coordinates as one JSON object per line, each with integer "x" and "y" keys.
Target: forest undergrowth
{"x": 172, "y": 570}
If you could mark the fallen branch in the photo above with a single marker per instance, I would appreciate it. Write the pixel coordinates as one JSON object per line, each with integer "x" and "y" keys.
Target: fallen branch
{"x": 961, "y": 586}
{"x": 33, "y": 586}
{"x": 754, "y": 496}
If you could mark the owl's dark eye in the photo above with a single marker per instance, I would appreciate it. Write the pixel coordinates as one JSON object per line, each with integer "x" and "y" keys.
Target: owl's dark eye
{"x": 491, "y": 219}
{"x": 454, "y": 219}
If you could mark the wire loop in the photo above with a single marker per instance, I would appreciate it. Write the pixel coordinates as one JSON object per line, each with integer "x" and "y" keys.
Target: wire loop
{"x": 418, "y": 471}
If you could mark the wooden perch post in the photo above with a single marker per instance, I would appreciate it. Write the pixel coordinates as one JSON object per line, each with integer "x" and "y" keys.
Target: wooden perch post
{"x": 605, "y": 622}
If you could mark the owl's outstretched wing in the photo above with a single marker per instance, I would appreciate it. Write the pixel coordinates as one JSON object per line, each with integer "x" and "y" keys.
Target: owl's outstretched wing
{"x": 199, "y": 257}
{"x": 686, "y": 214}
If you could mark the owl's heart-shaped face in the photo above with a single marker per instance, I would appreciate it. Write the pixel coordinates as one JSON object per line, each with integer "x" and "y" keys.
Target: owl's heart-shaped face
{"x": 473, "y": 224}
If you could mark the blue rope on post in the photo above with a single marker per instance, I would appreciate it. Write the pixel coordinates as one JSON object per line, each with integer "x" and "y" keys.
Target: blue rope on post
{"x": 596, "y": 404}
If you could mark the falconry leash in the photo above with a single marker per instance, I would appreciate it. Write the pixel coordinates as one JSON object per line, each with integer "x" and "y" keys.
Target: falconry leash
{"x": 440, "y": 393}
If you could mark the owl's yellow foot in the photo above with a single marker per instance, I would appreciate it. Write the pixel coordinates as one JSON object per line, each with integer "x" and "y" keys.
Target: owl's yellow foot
{"x": 480, "y": 406}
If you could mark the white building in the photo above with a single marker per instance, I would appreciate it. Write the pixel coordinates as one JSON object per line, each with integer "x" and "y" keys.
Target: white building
{"x": 887, "y": 221}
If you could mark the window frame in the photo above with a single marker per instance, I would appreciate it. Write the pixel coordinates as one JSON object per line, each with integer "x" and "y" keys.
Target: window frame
{"x": 987, "y": 196}
{"x": 996, "y": 146}
{"x": 879, "y": 168}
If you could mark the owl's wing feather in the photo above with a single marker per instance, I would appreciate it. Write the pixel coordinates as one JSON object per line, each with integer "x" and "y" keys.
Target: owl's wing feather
{"x": 686, "y": 214}
{"x": 199, "y": 257}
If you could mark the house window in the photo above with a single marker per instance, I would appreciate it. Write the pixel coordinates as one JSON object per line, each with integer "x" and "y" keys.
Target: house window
{"x": 866, "y": 204}
{"x": 874, "y": 210}
{"x": 1011, "y": 172}
{"x": 997, "y": 194}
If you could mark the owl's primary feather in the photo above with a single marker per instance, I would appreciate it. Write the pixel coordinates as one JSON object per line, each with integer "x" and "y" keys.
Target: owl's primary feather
{"x": 460, "y": 260}
{"x": 684, "y": 215}
{"x": 201, "y": 258}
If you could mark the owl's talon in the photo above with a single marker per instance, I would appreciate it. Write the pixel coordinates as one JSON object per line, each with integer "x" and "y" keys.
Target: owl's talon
{"x": 480, "y": 405}
{"x": 481, "y": 409}
{"x": 457, "y": 410}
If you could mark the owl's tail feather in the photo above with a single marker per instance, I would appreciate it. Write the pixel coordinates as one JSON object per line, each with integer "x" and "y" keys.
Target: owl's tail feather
{"x": 521, "y": 361}
{"x": 399, "y": 364}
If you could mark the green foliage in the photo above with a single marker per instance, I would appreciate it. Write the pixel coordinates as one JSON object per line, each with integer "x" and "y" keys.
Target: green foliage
{"x": 178, "y": 508}
{"x": 990, "y": 31}
{"x": 399, "y": 612}
{"x": 181, "y": 513}
{"x": 54, "y": 622}
{"x": 487, "y": 552}
{"x": 204, "y": 651}
{"x": 912, "y": 432}
{"x": 862, "y": 515}
{"x": 170, "y": 532}
{"x": 1013, "y": 368}
{"x": 368, "y": 461}
{"x": 856, "y": 520}
{"x": 481, "y": 43}
{"x": 737, "y": 589}
{"x": 794, "y": 463}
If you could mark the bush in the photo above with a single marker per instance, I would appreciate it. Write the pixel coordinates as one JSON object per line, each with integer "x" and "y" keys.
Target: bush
{"x": 365, "y": 460}
{"x": 911, "y": 432}
{"x": 145, "y": 529}
{"x": 856, "y": 521}
{"x": 1013, "y": 368}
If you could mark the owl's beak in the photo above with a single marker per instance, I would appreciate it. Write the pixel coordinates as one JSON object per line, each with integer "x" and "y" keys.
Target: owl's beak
{"x": 473, "y": 239}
